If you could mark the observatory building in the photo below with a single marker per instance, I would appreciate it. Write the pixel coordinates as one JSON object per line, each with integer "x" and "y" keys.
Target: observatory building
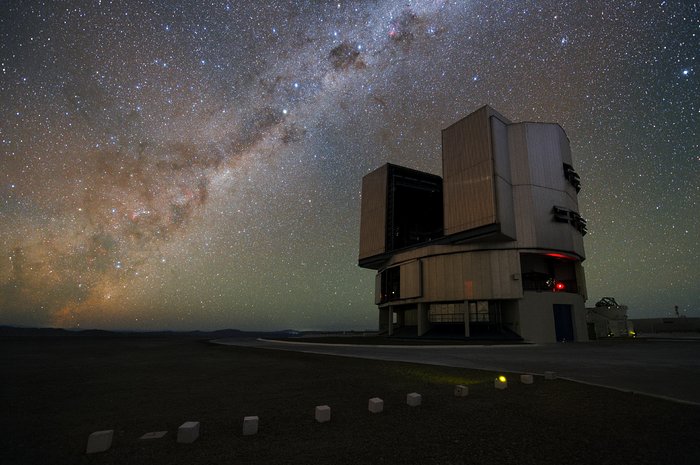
{"x": 492, "y": 249}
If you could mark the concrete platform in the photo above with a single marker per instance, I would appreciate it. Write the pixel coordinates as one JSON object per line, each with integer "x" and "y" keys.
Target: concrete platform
{"x": 660, "y": 368}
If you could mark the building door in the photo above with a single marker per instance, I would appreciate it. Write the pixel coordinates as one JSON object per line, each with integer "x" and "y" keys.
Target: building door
{"x": 563, "y": 323}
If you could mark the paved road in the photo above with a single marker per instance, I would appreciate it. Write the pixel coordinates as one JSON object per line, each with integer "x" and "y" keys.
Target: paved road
{"x": 661, "y": 368}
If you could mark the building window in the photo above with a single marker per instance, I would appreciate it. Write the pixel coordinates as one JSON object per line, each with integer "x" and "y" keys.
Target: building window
{"x": 413, "y": 209}
{"x": 446, "y": 313}
{"x": 391, "y": 284}
{"x": 544, "y": 272}
{"x": 479, "y": 311}
{"x": 536, "y": 281}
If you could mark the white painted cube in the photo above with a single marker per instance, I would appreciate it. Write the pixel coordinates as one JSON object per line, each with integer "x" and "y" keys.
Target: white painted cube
{"x": 99, "y": 441}
{"x": 414, "y": 399}
{"x": 526, "y": 379}
{"x": 188, "y": 432}
{"x": 250, "y": 425}
{"x": 376, "y": 405}
{"x": 498, "y": 384}
{"x": 461, "y": 390}
{"x": 550, "y": 375}
{"x": 323, "y": 413}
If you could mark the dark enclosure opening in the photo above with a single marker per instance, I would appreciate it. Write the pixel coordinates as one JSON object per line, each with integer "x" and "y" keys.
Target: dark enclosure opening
{"x": 391, "y": 284}
{"x": 414, "y": 208}
{"x": 547, "y": 273}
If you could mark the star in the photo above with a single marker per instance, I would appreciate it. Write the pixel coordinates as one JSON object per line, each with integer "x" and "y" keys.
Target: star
{"x": 214, "y": 146}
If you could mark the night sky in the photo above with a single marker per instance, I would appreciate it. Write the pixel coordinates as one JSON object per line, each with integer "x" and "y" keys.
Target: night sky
{"x": 197, "y": 165}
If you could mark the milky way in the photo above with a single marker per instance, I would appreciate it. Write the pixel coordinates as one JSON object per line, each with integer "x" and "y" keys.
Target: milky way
{"x": 197, "y": 165}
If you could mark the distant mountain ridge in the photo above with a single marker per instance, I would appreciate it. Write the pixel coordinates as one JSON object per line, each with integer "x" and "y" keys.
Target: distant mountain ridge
{"x": 14, "y": 331}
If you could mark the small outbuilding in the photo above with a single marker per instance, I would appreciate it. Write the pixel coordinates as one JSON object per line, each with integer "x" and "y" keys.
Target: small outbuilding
{"x": 608, "y": 319}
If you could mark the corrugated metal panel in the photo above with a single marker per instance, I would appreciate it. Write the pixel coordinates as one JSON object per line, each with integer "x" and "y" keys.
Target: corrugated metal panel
{"x": 517, "y": 148}
{"x": 545, "y": 155}
{"x": 456, "y": 290}
{"x": 373, "y": 213}
{"x": 468, "y": 189}
{"x": 467, "y": 275}
{"x": 525, "y": 226}
{"x": 502, "y": 178}
{"x": 581, "y": 281}
{"x": 410, "y": 277}
{"x": 472, "y": 276}
{"x": 485, "y": 271}
{"x": 538, "y": 151}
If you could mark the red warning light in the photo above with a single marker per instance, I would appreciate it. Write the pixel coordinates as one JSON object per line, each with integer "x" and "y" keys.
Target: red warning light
{"x": 559, "y": 286}
{"x": 560, "y": 255}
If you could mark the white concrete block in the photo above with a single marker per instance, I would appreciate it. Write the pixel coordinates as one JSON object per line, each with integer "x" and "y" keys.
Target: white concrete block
{"x": 550, "y": 375}
{"x": 414, "y": 399}
{"x": 154, "y": 435}
{"x": 323, "y": 413}
{"x": 461, "y": 391}
{"x": 188, "y": 432}
{"x": 498, "y": 384}
{"x": 526, "y": 379}
{"x": 99, "y": 441}
{"x": 376, "y": 405}
{"x": 250, "y": 425}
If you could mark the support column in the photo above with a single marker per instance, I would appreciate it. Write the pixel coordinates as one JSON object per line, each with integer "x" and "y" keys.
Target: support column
{"x": 390, "y": 331}
{"x": 466, "y": 318}
{"x": 423, "y": 319}
{"x": 385, "y": 320}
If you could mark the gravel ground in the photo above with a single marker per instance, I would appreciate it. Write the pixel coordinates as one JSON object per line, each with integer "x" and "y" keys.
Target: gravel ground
{"x": 56, "y": 391}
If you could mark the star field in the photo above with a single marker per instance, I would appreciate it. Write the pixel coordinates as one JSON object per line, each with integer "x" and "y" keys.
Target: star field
{"x": 197, "y": 165}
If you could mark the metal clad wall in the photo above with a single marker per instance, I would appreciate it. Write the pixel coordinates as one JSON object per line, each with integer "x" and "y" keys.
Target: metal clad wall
{"x": 456, "y": 283}
{"x": 497, "y": 275}
{"x": 537, "y": 320}
{"x": 485, "y": 271}
{"x": 472, "y": 276}
{"x": 443, "y": 282}
{"x": 520, "y": 176}
{"x": 523, "y": 204}
{"x": 410, "y": 280}
{"x": 565, "y": 147}
{"x": 545, "y": 155}
{"x": 551, "y": 234}
{"x": 467, "y": 167}
{"x": 581, "y": 281}
{"x": 517, "y": 148}
{"x": 373, "y": 213}
{"x": 437, "y": 286}
{"x": 502, "y": 177}
{"x": 505, "y": 287}
{"x": 538, "y": 151}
